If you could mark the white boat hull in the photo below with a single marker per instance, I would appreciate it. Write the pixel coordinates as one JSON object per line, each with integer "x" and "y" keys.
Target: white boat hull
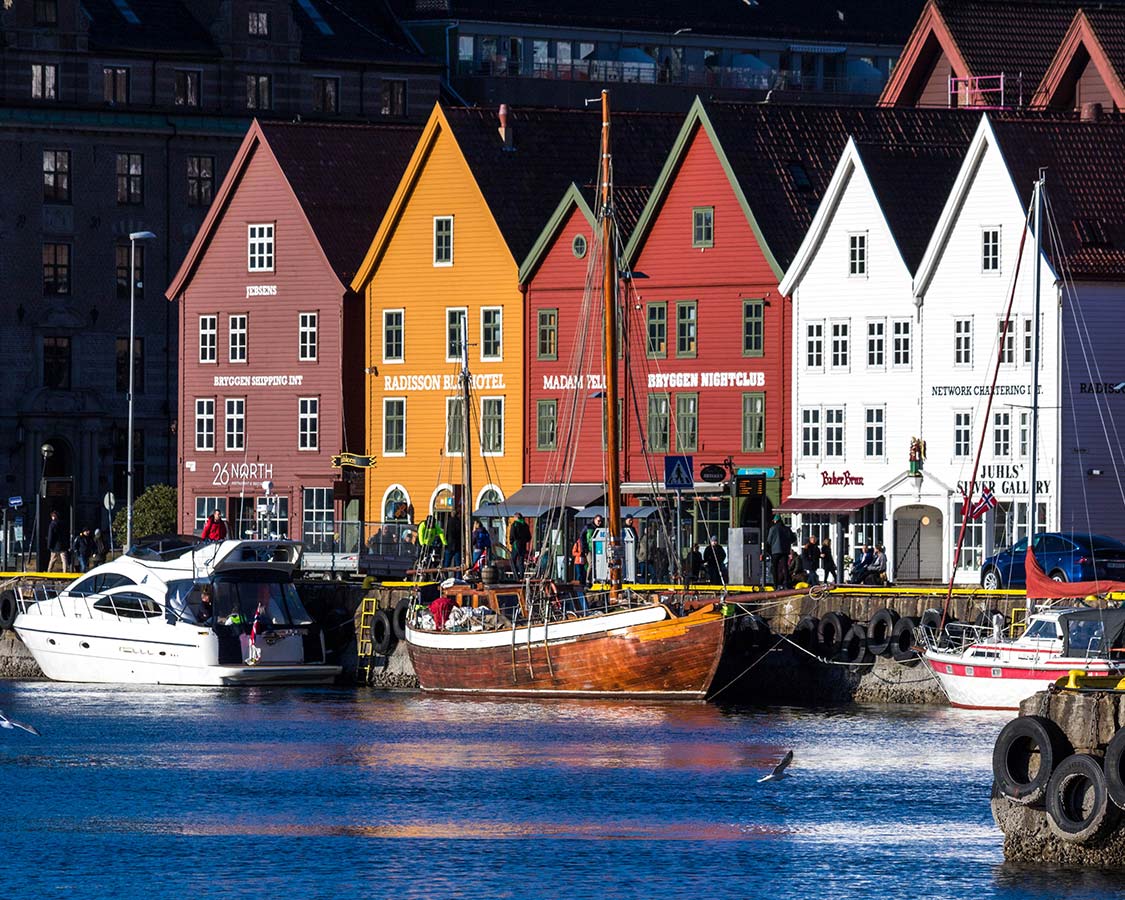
{"x": 1003, "y": 685}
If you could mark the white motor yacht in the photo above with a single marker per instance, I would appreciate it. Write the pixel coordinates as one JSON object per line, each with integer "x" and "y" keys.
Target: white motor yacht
{"x": 176, "y": 611}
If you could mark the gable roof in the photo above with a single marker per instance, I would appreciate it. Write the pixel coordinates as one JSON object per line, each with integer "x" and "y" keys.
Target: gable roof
{"x": 342, "y": 176}
{"x": 779, "y": 159}
{"x": 1095, "y": 37}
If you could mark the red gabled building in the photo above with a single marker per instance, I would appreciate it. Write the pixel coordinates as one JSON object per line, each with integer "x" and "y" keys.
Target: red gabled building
{"x": 272, "y": 337}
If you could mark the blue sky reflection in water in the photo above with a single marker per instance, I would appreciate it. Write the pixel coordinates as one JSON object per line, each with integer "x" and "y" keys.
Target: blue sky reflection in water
{"x": 286, "y": 793}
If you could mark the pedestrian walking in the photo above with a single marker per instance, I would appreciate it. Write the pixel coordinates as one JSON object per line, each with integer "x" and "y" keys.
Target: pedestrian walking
{"x": 58, "y": 544}
{"x": 780, "y": 539}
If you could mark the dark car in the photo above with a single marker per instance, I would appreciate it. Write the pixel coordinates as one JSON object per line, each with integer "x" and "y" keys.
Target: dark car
{"x": 1064, "y": 556}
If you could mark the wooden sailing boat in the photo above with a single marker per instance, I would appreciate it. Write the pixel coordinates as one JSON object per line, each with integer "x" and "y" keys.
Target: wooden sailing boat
{"x": 544, "y": 638}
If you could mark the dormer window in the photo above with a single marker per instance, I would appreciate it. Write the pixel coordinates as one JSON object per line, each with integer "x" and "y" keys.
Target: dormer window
{"x": 259, "y": 25}
{"x": 703, "y": 226}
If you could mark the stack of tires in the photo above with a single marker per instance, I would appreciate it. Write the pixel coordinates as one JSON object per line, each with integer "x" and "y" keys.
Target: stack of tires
{"x": 1033, "y": 764}
{"x": 8, "y": 609}
{"x": 388, "y": 627}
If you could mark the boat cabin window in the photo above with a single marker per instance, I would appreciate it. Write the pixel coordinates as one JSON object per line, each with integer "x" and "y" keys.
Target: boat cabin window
{"x": 98, "y": 583}
{"x": 508, "y": 604}
{"x": 278, "y": 600}
{"x": 1084, "y": 637}
{"x": 1043, "y": 630}
{"x": 128, "y": 605}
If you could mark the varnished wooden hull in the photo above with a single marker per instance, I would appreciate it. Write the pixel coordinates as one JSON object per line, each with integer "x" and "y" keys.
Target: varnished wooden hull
{"x": 629, "y": 653}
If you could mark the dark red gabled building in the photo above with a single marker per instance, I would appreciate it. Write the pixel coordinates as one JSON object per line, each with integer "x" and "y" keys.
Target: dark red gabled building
{"x": 272, "y": 337}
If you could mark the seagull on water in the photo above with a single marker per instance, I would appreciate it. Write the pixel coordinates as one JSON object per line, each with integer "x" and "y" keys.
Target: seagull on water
{"x": 779, "y": 770}
{"x": 5, "y": 722}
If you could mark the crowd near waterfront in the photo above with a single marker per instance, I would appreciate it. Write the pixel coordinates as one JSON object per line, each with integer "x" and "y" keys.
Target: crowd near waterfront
{"x": 159, "y": 792}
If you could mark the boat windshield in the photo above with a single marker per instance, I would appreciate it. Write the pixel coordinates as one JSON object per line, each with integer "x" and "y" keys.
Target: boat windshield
{"x": 1043, "y": 630}
{"x": 278, "y": 599}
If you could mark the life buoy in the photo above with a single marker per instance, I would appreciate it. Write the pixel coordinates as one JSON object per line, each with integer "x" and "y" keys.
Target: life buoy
{"x": 804, "y": 635}
{"x": 382, "y": 633}
{"x": 902, "y": 641}
{"x": 1026, "y": 754}
{"x": 1113, "y": 765}
{"x": 8, "y": 609}
{"x": 398, "y": 618}
{"x": 879, "y": 631}
{"x": 1078, "y": 805}
{"x": 853, "y": 647}
{"x": 830, "y": 633}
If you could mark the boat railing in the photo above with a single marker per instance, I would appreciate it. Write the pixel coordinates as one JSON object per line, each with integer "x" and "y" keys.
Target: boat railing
{"x": 955, "y": 637}
{"x": 129, "y": 607}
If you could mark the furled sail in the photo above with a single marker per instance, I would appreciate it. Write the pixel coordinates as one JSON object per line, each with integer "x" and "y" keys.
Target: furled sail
{"x": 1042, "y": 587}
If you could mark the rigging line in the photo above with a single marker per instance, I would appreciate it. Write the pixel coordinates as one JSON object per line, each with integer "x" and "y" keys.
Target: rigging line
{"x": 984, "y": 425}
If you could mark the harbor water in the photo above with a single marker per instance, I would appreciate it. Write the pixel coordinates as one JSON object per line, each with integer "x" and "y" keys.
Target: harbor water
{"x": 322, "y": 793}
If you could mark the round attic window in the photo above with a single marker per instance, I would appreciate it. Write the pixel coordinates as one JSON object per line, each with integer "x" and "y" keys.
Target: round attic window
{"x": 578, "y": 245}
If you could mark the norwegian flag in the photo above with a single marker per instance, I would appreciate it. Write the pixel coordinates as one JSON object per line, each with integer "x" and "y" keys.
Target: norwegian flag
{"x": 986, "y": 502}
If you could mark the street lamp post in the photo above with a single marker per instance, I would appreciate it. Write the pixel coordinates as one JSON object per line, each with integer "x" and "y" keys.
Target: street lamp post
{"x": 133, "y": 238}
{"x": 46, "y": 451}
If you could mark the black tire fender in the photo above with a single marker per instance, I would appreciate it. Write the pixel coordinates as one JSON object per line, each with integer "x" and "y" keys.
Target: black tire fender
{"x": 853, "y": 648}
{"x": 758, "y": 629}
{"x": 831, "y": 631}
{"x": 902, "y": 641}
{"x": 804, "y": 635}
{"x": 1026, "y": 754}
{"x": 984, "y": 618}
{"x": 382, "y": 632}
{"x": 879, "y": 631}
{"x": 398, "y": 618}
{"x": 931, "y": 619}
{"x": 1114, "y": 767}
{"x": 1078, "y": 806}
{"x": 8, "y": 609}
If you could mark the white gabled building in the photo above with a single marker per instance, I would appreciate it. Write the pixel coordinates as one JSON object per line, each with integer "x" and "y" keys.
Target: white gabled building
{"x": 857, "y": 345}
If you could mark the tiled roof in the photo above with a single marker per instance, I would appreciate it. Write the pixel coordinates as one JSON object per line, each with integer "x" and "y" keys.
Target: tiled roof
{"x": 1085, "y": 164}
{"x": 552, "y": 149}
{"x": 344, "y": 177}
{"x": 353, "y": 30}
{"x": 865, "y": 21}
{"x": 1108, "y": 25}
{"x": 160, "y": 26}
{"x": 1011, "y": 36}
{"x": 783, "y": 156}
{"x": 911, "y": 183}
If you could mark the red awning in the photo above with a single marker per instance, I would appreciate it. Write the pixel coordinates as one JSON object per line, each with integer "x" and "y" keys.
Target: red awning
{"x": 836, "y": 505}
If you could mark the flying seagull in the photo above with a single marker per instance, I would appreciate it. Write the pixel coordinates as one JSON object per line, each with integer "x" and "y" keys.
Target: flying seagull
{"x": 779, "y": 770}
{"x": 5, "y": 722}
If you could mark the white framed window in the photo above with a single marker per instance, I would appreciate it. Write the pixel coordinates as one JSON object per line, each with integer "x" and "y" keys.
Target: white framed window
{"x": 990, "y": 250}
{"x": 810, "y": 432}
{"x": 900, "y": 348}
{"x": 834, "y": 432}
{"x": 814, "y": 345}
{"x": 1002, "y": 434}
{"x": 492, "y": 426}
{"x": 260, "y": 248}
{"x": 394, "y": 335}
{"x": 972, "y": 546}
{"x": 318, "y": 519}
{"x": 1006, "y": 341}
{"x": 235, "y": 424}
{"x": 857, "y": 254}
{"x": 874, "y": 432}
{"x": 841, "y": 344}
{"x": 963, "y": 342}
{"x": 307, "y": 338}
{"x": 394, "y": 426}
{"x": 208, "y": 339}
{"x": 1029, "y": 342}
{"x": 205, "y": 423}
{"x": 962, "y": 434}
{"x": 454, "y": 426}
{"x": 876, "y": 343}
{"x": 238, "y": 339}
{"x": 491, "y": 333}
{"x": 443, "y": 240}
{"x": 1025, "y": 434}
{"x": 204, "y": 506}
{"x": 308, "y": 423}
{"x": 456, "y": 324}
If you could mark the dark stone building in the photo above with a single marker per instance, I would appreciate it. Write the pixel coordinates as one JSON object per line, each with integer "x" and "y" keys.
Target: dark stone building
{"x": 122, "y": 116}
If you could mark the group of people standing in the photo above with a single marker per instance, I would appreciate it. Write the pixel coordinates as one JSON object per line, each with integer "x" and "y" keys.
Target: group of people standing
{"x": 86, "y": 550}
{"x": 791, "y": 565}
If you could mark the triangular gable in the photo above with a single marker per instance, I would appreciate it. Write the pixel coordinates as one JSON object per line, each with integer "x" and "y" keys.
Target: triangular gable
{"x": 927, "y": 478}
{"x": 571, "y": 200}
{"x": 1079, "y": 45}
{"x": 914, "y": 62}
{"x": 697, "y": 118}
{"x": 254, "y": 140}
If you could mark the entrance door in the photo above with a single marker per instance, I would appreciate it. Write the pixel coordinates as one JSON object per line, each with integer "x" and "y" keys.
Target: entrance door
{"x": 918, "y": 547}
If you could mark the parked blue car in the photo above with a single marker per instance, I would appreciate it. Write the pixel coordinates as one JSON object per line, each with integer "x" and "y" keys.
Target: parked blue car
{"x": 1064, "y": 556}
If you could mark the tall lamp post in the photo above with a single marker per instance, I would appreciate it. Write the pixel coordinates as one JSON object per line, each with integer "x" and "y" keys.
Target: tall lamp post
{"x": 46, "y": 451}
{"x": 133, "y": 238}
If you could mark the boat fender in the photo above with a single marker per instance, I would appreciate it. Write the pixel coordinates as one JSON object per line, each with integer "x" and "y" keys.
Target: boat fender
{"x": 902, "y": 641}
{"x": 1114, "y": 766}
{"x": 854, "y": 649}
{"x": 830, "y": 633}
{"x": 760, "y": 633}
{"x": 382, "y": 633}
{"x": 8, "y": 609}
{"x": 1026, "y": 754}
{"x": 879, "y": 631}
{"x": 1078, "y": 807}
{"x": 804, "y": 635}
{"x": 985, "y": 618}
{"x": 931, "y": 619}
{"x": 398, "y": 618}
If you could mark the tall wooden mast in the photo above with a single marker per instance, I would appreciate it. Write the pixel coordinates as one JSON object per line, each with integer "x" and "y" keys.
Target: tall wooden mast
{"x": 466, "y": 450}
{"x": 609, "y": 293}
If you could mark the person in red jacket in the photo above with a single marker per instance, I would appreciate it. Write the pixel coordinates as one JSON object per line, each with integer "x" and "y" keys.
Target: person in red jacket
{"x": 216, "y": 528}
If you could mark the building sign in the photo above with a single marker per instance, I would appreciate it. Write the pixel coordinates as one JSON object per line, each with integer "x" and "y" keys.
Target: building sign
{"x": 842, "y": 479}
{"x": 591, "y": 382}
{"x": 750, "y": 485}
{"x": 449, "y": 382}
{"x": 352, "y": 459}
{"x": 706, "y": 379}
{"x": 241, "y": 474}
{"x": 259, "y": 380}
{"x": 1101, "y": 387}
{"x": 981, "y": 390}
{"x": 261, "y": 290}
{"x": 1006, "y": 480}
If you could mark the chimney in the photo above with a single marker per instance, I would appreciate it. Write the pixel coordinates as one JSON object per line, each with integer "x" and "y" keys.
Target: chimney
{"x": 504, "y": 129}
{"x": 1091, "y": 112}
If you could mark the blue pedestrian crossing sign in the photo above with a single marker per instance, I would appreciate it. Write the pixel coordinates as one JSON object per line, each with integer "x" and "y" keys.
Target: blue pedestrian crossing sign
{"x": 678, "y": 473}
